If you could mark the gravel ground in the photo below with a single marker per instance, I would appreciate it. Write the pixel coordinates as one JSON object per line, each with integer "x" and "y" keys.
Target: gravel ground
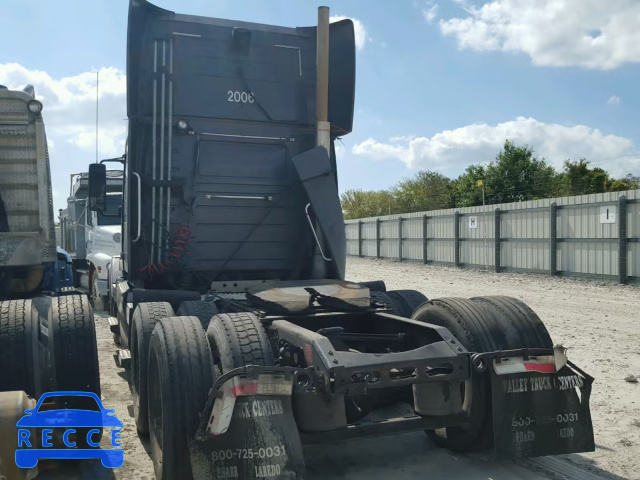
{"x": 598, "y": 322}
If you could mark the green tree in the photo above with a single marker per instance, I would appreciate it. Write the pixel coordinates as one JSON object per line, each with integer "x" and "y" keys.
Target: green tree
{"x": 630, "y": 182}
{"x": 579, "y": 179}
{"x": 360, "y": 204}
{"x": 425, "y": 191}
{"x": 518, "y": 175}
{"x": 467, "y": 193}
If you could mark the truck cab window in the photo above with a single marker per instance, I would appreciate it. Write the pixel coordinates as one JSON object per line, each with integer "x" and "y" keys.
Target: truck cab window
{"x": 112, "y": 215}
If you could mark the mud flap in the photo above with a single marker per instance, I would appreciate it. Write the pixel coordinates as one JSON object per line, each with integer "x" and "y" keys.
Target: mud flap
{"x": 250, "y": 432}
{"x": 319, "y": 181}
{"x": 539, "y": 411}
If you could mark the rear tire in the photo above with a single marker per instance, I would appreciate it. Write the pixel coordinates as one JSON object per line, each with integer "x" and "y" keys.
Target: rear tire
{"x": 198, "y": 308}
{"x": 145, "y": 317}
{"x": 408, "y": 301}
{"x": 375, "y": 285}
{"x": 470, "y": 325}
{"x": 385, "y": 299}
{"x": 17, "y": 347}
{"x": 180, "y": 375}
{"x": 519, "y": 325}
{"x": 238, "y": 339}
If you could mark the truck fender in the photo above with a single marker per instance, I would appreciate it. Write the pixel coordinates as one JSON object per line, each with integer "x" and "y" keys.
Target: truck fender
{"x": 101, "y": 260}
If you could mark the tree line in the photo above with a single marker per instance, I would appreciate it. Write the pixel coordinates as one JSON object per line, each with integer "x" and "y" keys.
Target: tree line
{"x": 515, "y": 175}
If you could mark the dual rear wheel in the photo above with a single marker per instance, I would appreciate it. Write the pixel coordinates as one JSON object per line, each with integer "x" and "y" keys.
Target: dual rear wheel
{"x": 183, "y": 364}
{"x": 481, "y": 324}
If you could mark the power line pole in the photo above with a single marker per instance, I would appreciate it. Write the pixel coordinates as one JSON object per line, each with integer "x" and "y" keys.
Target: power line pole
{"x": 484, "y": 225}
{"x": 97, "y": 97}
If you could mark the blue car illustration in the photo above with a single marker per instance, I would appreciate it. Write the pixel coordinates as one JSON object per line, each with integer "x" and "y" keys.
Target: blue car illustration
{"x": 64, "y": 422}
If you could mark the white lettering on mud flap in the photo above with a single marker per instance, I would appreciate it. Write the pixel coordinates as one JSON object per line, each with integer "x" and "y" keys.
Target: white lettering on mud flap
{"x": 569, "y": 382}
{"x": 537, "y": 413}
{"x": 258, "y": 408}
{"x": 525, "y": 436}
{"x": 242, "y": 386}
{"x": 227, "y": 472}
{"x": 265, "y": 471}
{"x": 540, "y": 384}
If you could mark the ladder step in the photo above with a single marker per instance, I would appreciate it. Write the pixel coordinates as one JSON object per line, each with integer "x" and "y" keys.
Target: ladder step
{"x": 123, "y": 358}
{"x": 114, "y": 326}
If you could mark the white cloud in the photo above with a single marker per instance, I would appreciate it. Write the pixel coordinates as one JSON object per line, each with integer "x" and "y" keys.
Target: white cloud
{"x": 430, "y": 11}
{"x": 613, "y": 100}
{"x": 451, "y": 151}
{"x": 70, "y": 102}
{"x": 362, "y": 36}
{"x": 595, "y": 34}
{"x": 69, "y": 117}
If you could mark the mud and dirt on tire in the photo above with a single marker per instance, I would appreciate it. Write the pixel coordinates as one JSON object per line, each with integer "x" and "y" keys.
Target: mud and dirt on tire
{"x": 470, "y": 325}
{"x": 238, "y": 339}
{"x": 180, "y": 376}
{"x": 145, "y": 317}
{"x": 198, "y": 308}
{"x": 16, "y": 346}
{"x": 407, "y": 300}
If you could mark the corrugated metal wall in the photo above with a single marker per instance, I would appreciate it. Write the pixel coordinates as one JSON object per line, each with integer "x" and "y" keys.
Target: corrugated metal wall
{"x": 587, "y": 236}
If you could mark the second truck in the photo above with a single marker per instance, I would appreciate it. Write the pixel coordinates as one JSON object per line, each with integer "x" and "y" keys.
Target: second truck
{"x": 92, "y": 238}
{"x": 231, "y": 301}
{"x": 47, "y": 330}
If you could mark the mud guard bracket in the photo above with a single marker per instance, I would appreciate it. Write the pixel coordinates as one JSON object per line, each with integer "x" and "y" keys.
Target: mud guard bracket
{"x": 247, "y": 429}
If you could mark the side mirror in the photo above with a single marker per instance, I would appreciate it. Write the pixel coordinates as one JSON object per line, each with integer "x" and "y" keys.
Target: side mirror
{"x": 97, "y": 187}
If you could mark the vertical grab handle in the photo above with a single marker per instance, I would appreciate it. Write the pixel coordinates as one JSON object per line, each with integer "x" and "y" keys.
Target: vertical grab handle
{"x": 139, "y": 207}
{"x": 306, "y": 211}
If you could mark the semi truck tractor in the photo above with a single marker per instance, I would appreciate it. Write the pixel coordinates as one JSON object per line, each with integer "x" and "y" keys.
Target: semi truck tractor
{"x": 244, "y": 338}
{"x": 92, "y": 238}
{"x": 47, "y": 331}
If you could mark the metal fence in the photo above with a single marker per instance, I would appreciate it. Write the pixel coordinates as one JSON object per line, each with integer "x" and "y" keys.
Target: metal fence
{"x": 594, "y": 236}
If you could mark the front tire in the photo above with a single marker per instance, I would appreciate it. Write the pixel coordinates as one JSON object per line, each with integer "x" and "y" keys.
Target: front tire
{"x": 99, "y": 301}
{"x": 180, "y": 375}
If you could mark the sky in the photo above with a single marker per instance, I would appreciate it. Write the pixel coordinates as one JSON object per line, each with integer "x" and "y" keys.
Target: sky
{"x": 440, "y": 83}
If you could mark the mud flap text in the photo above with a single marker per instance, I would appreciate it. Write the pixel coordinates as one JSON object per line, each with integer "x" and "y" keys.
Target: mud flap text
{"x": 536, "y": 414}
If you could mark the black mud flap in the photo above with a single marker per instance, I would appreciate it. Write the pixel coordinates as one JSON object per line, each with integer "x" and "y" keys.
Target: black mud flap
{"x": 261, "y": 441}
{"x": 537, "y": 414}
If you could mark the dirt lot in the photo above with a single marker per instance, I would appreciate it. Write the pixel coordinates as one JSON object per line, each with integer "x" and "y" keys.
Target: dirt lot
{"x": 599, "y": 323}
